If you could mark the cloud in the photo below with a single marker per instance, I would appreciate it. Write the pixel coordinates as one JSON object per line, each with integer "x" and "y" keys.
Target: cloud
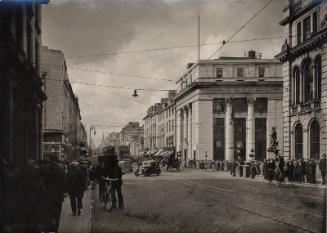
{"x": 80, "y": 28}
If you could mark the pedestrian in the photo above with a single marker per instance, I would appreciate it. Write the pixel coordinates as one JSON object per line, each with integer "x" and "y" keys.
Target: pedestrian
{"x": 31, "y": 195}
{"x": 253, "y": 169}
{"x": 322, "y": 168}
{"x": 116, "y": 185}
{"x": 76, "y": 186}
{"x": 55, "y": 182}
{"x": 289, "y": 172}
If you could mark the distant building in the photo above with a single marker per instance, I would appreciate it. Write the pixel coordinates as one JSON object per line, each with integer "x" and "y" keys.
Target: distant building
{"x": 150, "y": 128}
{"x": 159, "y": 125}
{"x": 227, "y": 107}
{"x": 61, "y": 112}
{"x": 166, "y": 122}
{"x": 304, "y": 57}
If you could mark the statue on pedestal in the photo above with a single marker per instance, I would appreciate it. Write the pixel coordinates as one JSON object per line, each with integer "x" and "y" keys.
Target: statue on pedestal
{"x": 273, "y": 142}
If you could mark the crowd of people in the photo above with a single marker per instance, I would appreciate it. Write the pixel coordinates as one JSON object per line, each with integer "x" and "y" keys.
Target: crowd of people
{"x": 279, "y": 169}
{"x": 35, "y": 193}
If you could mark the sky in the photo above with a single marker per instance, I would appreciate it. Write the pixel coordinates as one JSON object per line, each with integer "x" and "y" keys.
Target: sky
{"x": 109, "y": 42}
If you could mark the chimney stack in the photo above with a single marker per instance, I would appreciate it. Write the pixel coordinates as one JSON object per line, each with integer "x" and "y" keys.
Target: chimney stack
{"x": 251, "y": 54}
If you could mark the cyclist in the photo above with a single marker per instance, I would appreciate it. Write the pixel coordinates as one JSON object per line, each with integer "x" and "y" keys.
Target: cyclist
{"x": 116, "y": 185}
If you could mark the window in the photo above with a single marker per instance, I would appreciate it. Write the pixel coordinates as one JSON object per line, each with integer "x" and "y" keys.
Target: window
{"x": 261, "y": 72}
{"x": 297, "y": 86}
{"x": 219, "y": 73}
{"x": 261, "y": 105}
{"x": 318, "y": 78}
{"x": 299, "y": 33}
{"x": 315, "y": 22}
{"x": 306, "y": 28}
{"x": 307, "y": 80}
{"x": 298, "y": 142}
{"x": 240, "y": 72}
{"x": 218, "y": 105}
{"x": 314, "y": 140}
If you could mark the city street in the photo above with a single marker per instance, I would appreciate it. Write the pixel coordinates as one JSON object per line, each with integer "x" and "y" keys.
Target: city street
{"x": 205, "y": 201}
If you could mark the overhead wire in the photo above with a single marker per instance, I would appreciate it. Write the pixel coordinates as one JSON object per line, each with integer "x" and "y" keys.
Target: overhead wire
{"x": 241, "y": 28}
{"x": 170, "y": 48}
{"x": 119, "y": 74}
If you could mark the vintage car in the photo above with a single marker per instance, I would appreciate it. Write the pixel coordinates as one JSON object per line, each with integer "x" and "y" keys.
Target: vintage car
{"x": 148, "y": 167}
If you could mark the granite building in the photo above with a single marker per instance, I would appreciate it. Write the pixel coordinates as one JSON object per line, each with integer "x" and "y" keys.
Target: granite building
{"x": 305, "y": 81}
{"x": 227, "y": 107}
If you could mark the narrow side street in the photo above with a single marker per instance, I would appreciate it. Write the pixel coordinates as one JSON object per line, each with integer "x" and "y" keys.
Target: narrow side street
{"x": 198, "y": 201}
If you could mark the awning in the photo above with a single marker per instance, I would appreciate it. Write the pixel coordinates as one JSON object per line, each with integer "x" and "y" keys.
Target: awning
{"x": 158, "y": 153}
{"x": 167, "y": 154}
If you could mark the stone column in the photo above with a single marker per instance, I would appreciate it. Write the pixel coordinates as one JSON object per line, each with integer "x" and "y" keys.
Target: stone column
{"x": 189, "y": 131}
{"x": 250, "y": 128}
{"x": 179, "y": 130}
{"x": 229, "y": 131}
{"x": 185, "y": 121}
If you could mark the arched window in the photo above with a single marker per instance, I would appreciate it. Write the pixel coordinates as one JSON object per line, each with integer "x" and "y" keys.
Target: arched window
{"x": 297, "y": 85}
{"x": 314, "y": 140}
{"x": 307, "y": 80}
{"x": 317, "y": 76}
{"x": 298, "y": 141}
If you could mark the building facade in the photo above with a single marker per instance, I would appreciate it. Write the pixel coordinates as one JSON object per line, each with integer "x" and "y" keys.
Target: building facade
{"x": 61, "y": 112}
{"x": 21, "y": 93}
{"x": 166, "y": 122}
{"x": 21, "y": 101}
{"x": 227, "y": 107}
{"x": 150, "y": 128}
{"x": 159, "y": 124}
{"x": 305, "y": 81}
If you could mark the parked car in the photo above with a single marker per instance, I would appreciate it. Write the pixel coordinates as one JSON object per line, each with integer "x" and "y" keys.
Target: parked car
{"x": 126, "y": 165}
{"x": 148, "y": 167}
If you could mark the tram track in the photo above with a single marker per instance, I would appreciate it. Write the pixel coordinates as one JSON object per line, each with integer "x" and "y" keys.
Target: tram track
{"x": 204, "y": 198}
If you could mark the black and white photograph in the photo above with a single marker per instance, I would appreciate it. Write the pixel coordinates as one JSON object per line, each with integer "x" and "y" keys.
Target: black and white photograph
{"x": 163, "y": 116}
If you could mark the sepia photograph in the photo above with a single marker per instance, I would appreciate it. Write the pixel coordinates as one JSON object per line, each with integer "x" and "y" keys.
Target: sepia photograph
{"x": 163, "y": 116}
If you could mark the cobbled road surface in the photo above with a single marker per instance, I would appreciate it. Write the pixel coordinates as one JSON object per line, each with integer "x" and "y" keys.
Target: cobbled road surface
{"x": 203, "y": 201}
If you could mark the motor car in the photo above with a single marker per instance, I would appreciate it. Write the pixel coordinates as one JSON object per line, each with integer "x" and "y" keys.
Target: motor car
{"x": 126, "y": 165}
{"x": 148, "y": 168}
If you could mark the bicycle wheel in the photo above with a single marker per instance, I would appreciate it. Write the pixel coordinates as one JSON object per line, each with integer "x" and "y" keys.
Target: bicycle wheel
{"x": 108, "y": 205}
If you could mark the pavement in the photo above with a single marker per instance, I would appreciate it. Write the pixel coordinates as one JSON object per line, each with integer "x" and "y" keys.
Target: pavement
{"x": 207, "y": 201}
{"x": 76, "y": 224}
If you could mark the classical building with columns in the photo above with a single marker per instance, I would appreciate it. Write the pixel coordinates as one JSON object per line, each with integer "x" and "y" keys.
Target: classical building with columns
{"x": 304, "y": 57}
{"x": 227, "y": 107}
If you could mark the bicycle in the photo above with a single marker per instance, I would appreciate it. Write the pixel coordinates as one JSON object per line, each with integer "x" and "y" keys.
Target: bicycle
{"x": 106, "y": 196}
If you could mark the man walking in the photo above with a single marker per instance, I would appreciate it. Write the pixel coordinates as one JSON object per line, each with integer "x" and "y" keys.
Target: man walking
{"x": 55, "y": 182}
{"x": 76, "y": 186}
{"x": 322, "y": 168}
{"x": 116, "y": 185}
